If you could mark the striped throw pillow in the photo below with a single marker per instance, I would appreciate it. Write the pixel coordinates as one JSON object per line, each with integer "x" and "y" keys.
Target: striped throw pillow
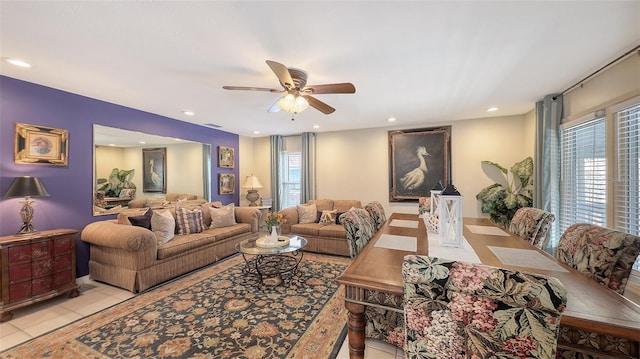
{"x": 189, "y": 221}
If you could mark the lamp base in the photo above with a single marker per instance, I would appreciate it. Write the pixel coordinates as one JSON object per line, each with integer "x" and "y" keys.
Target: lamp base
{"x": 27, "y": 229}
{"x": 252, "y": 197}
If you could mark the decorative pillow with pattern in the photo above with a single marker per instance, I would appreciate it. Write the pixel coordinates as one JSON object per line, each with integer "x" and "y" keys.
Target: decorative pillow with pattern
{"x": 328, "y": 216}
{"x": 223, "y": 216}
{"x": 189, "y": 221}
{"x": 307, "y": 213}
{"x": 163, "y": 226}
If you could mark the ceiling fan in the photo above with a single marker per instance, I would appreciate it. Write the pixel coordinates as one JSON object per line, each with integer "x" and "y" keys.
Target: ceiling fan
{"x": 298, "y": 94}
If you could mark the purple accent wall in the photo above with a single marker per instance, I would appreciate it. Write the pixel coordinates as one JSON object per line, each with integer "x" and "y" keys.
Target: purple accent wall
{"x": 71, "y": 187}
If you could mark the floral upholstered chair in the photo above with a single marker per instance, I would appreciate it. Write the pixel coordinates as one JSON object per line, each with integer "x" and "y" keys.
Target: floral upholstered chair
{"x": 532, "y": 224}
{"x": 359, "y": 227}
{"x": 603, "y": 254}
{"x": 376, "y": 211}
{"x": 456, "y": 309}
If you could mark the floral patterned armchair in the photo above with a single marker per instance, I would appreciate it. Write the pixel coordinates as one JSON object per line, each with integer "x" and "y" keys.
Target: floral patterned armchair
{"x": 376, "y": 211}
{"x": 455, "y": 309}
{"x": 359, "y": 227}
{"x": 606, "y": 255}
{"x": 533, "y": 225}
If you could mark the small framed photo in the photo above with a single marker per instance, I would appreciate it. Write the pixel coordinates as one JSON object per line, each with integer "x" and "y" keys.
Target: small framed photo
{"x": 226, "y": 157}
{"x": 41, "y": 145}
{"x": 227, "y": 183}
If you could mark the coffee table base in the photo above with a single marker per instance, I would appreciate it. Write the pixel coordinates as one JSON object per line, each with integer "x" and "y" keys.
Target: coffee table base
{"x": 275, "y": 265}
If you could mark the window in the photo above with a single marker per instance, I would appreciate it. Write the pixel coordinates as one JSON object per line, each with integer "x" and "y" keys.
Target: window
{"x": 627, "y": 187}
{"x": 583, "y": 182}
{"x": 290, "y": 176}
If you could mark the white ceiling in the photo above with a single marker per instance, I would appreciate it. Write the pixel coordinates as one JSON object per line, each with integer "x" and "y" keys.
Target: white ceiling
{"x": 418, "y": 61}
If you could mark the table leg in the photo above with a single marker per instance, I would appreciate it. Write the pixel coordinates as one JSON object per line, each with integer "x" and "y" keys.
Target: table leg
{"x": 356, "y": 325}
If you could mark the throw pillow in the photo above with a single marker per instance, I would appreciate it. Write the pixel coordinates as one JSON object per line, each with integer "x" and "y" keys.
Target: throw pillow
{"x": 222, "y": 217}
{"x": 338, "y": 221}
{"x": 163, "y": 226}
{"x": 143, "y": 220}
{"x": 307, "y": 213}
{"x": 328, "y": 216}
{"x": 189, "y": 221}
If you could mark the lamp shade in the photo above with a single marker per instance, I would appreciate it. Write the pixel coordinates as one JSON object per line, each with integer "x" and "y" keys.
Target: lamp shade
{"x": 251, "y": 182}
{"x": 26, "y": 186}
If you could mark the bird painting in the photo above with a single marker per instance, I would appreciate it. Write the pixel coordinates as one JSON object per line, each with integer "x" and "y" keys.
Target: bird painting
{"x": 415, "y": 178}
{"x": 155, "y": 178}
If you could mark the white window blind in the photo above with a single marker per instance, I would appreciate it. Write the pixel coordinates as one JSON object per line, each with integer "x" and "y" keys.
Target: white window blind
{"x": 583, "y": 187}
{"x": 627, "y": 189}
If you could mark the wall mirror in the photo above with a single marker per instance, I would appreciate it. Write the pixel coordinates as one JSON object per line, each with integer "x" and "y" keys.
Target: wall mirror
{"x": 174, "y": 166}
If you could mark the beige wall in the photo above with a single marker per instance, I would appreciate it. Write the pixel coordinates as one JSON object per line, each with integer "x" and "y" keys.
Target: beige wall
{"x": 355, "y": 164}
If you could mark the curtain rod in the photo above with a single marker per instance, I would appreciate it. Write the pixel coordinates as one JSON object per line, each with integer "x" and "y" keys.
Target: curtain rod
{"x": 619, "y": 58}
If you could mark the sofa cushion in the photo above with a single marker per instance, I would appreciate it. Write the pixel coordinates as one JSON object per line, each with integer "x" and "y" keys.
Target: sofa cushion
{"x": 343, "y": 205}
{"x": 332, "y": 231}
{"x": 307, "y": 213}
{"x": 184, "y": 243}
{"x": 189, "y": 221}
{"x": 322, "y": 204}
{"x": 222, "y": 217}
{"x": 309, "y": 229}
{"x": 163, "y": 225}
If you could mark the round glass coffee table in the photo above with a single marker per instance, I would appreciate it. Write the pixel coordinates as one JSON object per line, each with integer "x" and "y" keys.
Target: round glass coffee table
{"x": 272, "y": 262}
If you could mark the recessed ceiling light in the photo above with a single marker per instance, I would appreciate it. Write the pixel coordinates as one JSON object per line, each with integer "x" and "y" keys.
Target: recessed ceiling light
{"x": 316, "y": 126}
{"x": 142, "y": 142}
{"x": 112, "y": 144}
{"x": 492, "y": 109}
{"x": 256, "y": 132}
{"x": 188, "y": 113}
{"x": 17, "y": 62}
{"x": 177, "y": 139}
{"x": 391, "y": 119}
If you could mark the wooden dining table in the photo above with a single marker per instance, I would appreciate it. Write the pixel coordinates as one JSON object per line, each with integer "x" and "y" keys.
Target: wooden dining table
{"x": 597, "y": 321}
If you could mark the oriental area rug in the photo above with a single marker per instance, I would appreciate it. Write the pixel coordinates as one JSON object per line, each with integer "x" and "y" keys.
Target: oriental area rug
{"x": 215, "y": 312}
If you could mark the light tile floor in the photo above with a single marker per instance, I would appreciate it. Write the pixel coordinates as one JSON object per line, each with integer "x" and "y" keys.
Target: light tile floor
{"x": 37, "y": 319}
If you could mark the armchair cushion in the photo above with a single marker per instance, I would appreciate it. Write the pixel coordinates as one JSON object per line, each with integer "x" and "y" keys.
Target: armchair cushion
{"x": 606, "y": 255}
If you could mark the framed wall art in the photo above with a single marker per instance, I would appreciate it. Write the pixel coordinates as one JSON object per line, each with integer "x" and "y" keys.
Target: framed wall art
{"x": 154, "y": 170}
{"x": 226, "y": 157}
{"x": 418, "y": 159}
{"x": 41, "y": 145}
{"x": 227, "y": 183}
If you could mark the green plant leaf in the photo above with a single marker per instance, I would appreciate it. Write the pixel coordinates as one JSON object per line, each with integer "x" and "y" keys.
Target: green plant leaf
{"x": 496, "y": 165}
{"x": 523, "y": 170}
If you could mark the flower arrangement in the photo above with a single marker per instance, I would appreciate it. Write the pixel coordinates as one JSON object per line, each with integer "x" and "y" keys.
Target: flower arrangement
{"x": 274, "y": 219}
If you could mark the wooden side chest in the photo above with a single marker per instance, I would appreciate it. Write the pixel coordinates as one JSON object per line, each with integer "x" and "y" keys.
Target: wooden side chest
{"x": 35, "y": 268}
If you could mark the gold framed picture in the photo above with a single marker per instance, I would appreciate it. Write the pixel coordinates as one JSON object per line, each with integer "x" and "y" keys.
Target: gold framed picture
{"x": 227, "y": 183}
{"x": 41, "y": 145}
{"x": 226, "y": 157}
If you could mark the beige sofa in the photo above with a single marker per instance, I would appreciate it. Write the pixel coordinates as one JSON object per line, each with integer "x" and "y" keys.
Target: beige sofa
{"x": 321, "y": 238}
{"x": 130, "y": 257}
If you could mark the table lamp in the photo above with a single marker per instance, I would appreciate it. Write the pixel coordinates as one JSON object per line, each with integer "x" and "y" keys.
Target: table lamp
{"x": 26, "y": 186}
{"x": 253, "y": 184}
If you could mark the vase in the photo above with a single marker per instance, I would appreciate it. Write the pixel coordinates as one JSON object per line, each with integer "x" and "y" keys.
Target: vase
{"x": 276, "y": 228}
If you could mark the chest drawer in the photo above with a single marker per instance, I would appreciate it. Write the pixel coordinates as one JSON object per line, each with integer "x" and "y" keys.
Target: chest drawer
{"x": 18, "y": 254}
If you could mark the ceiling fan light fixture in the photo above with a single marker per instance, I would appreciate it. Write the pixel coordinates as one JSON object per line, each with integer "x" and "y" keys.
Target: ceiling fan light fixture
{"x": 293, "y": 104}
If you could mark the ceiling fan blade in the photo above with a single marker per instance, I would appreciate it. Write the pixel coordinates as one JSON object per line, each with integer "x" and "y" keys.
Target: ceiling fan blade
{"x": 251, "y": 88}
{"x": 346, "y": 87}
{"x": 275, "y": 107}
{"x": 319, "y": 105}
{"x": 283, "y": 74}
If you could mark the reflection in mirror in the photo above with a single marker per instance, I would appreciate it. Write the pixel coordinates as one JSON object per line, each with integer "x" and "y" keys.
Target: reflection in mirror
{"x": 119, "y": 172}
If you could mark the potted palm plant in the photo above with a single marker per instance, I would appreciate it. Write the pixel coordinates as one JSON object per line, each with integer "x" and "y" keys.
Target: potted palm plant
{"x": 117, "y": 181}
{"x": 502, "y": 200}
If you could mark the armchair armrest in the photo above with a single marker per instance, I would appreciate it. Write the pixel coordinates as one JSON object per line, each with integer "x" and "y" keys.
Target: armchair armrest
{"x": 249, "y": 215}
